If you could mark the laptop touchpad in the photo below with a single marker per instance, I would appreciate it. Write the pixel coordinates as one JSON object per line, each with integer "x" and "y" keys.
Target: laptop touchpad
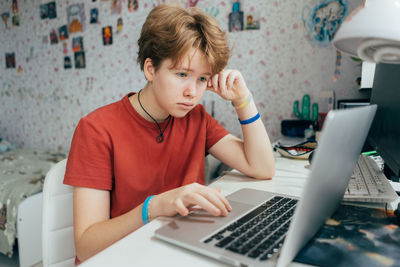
{"x": 250, "y": 196}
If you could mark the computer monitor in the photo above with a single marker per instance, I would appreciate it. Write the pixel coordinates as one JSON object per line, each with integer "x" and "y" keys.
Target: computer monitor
{"x": 384, "y": 135}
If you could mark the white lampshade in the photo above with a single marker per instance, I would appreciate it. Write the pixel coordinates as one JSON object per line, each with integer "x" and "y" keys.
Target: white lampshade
{"x": 372, "y": 32}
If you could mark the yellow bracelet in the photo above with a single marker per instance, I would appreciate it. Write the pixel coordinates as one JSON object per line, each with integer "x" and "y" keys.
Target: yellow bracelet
{"x": 148, "y": 211}
{"x": 245, "y": 103}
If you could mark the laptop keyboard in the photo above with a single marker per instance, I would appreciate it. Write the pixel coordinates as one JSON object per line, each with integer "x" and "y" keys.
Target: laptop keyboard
{"x": 260, "y": 233}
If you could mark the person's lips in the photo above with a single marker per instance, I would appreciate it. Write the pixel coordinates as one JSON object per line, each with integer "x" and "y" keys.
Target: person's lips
{"x": 186, "y": 105}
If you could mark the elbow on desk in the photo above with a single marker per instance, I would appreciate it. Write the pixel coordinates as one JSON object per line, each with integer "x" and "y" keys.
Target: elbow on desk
{"x": 79, "y": 257}
{"x": 264, "y": 177}
{"x": 266, "y": 174}
{"x": 82, "y": 253}
{"x": 265, "y": 171}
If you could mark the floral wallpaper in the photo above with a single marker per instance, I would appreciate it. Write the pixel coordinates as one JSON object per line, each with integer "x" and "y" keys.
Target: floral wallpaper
{"x": 51, "y": 76}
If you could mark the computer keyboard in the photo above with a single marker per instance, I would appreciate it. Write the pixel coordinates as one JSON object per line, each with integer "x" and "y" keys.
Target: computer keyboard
{"x": 368, "y": 183}
{"x": 260, "y": 233}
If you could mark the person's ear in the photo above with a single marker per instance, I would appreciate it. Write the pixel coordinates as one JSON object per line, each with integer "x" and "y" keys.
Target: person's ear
{"x": 149, "y": 69}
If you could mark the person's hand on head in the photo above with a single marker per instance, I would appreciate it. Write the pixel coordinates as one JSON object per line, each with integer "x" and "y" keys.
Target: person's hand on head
{"x": 182, "y": 199}
{"x": 230, "y": 85}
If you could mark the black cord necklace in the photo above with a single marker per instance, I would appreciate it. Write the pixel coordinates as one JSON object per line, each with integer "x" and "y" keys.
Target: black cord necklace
{"x": 160, "y": 137}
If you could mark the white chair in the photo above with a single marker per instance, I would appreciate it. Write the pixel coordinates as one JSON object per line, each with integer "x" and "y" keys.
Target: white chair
{"x": 29, "y": 225}
{"x": 57, "y": 229}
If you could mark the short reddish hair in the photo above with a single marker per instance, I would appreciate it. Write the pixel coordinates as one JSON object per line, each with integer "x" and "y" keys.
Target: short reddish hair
{"x": 170, "y": 31}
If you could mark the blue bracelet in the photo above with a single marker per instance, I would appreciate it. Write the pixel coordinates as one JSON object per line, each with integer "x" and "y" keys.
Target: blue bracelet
{"x": 145, "y": 217}
{"x": 244, "y": 122}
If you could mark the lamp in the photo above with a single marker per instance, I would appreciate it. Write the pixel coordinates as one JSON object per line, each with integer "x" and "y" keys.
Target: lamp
{"x": 372, "y": 32}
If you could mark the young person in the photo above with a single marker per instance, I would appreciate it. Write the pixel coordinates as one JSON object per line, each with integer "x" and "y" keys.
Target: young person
{"x": 143, "y": 156}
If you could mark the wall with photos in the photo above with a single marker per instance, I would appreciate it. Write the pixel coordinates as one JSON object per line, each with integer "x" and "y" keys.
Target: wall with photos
{"x": 51, "y": 76}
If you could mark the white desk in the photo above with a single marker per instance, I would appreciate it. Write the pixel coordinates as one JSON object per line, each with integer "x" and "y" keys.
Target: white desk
{"x": 141, "y": 248}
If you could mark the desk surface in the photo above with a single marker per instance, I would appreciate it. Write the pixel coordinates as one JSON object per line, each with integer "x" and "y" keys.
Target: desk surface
{"x": 141, "y": 248}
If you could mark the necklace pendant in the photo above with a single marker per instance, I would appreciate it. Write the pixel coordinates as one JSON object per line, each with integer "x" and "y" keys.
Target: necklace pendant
{"x": 160, "y": 138}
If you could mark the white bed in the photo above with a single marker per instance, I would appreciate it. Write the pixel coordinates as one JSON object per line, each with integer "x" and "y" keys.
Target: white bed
{"x": 22, "y": 173}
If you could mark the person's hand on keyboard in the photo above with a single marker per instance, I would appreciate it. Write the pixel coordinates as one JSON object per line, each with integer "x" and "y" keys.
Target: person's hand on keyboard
{"x": 182, "y": 199}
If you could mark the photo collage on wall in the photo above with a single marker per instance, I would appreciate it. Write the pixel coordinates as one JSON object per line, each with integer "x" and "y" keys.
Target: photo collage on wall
{"x": 239, "y": 22}
{"x": 15, "y": 22}
{"x": 73, "y": 53}
{"x": 75, "y": 24}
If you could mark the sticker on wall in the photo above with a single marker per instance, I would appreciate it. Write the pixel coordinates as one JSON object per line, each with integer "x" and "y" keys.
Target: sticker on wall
{"x": 53, "y": 37}
{"x": 120, "y": 23}
{"x": 236, "y": 6}
{"x": 45, "y": 39}
{"x": 76, "y": 18}
{"x": 15, "y": 20}
{"x": 213, "y": 11}
{"x": 236, "y": 18}
{"x": 10, "y": 60}
{"x": 67, "y": 63}
{"x": 44, "y": 11}
{"x": 116, "y": 6}
{"x": 65, "y": 48}
{"x": 79, "y": 60}
{"x": 89, "y": 84}
{"x": 48, "y": 11}
{"x": 52, "y": 10}
{"x": 133, "y": 5}
{"x": 31, "y": 54}
{"x": 77, "y": 44}
{"x": 63, "y": 33}
{"x": 14, "y": 6}
{"x": 20, "y": 70}
{"x": 322, "y": 21}
{"x": 192, "y": 3}
{"x": 94, "y": 15}
{"x": 252, "y": 22}
{"x": 4, "y": 17}
{"x": 107, "y": 35}
{"x": 338, "y": 65}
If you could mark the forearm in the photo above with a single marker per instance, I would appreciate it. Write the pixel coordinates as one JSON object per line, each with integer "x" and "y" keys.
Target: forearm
{"x": 103, "y": 234}
{"x": 254, "y": 155}
{"x": 257, "y": 147}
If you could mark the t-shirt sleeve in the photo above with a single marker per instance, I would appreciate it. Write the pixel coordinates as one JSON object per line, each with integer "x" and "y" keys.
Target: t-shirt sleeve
{"x": 89, "y": 161}
{"x": 215, "y": 131}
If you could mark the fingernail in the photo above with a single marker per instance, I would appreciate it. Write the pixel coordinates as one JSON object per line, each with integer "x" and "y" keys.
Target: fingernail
{"x": 217, "y": 211}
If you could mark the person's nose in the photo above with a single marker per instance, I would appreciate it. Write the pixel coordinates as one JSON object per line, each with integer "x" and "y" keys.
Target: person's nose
{"x": 190, "y": 88}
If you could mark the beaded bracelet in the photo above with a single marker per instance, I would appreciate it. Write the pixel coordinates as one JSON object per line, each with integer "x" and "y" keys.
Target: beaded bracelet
{"x": 245, "y": 103}
{"x": 252, "y": 119}
{"x": 145, "y": 211}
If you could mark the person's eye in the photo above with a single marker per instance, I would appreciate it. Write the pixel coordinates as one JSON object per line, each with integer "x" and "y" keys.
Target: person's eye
{"x": 203, "y": 79}
{"x": 181, "y": 74}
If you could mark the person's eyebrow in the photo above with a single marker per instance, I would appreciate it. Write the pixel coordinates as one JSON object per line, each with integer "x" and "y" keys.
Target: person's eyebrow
{"x": 191, "y": 70}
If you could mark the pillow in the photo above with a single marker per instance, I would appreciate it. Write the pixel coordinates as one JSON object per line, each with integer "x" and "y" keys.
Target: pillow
{"x": 5, "y": 145}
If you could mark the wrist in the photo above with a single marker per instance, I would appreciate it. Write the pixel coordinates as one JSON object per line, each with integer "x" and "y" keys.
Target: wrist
{"x": 153, "y": 208}
{"x": 242, "y": 101}
{"x": 146, "y": 213}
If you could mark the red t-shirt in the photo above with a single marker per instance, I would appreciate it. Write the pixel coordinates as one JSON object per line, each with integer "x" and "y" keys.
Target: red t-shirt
{"x": 114, "y": 148}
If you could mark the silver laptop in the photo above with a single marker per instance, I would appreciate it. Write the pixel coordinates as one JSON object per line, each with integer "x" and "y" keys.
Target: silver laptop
{"x": 268, "y": 229}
